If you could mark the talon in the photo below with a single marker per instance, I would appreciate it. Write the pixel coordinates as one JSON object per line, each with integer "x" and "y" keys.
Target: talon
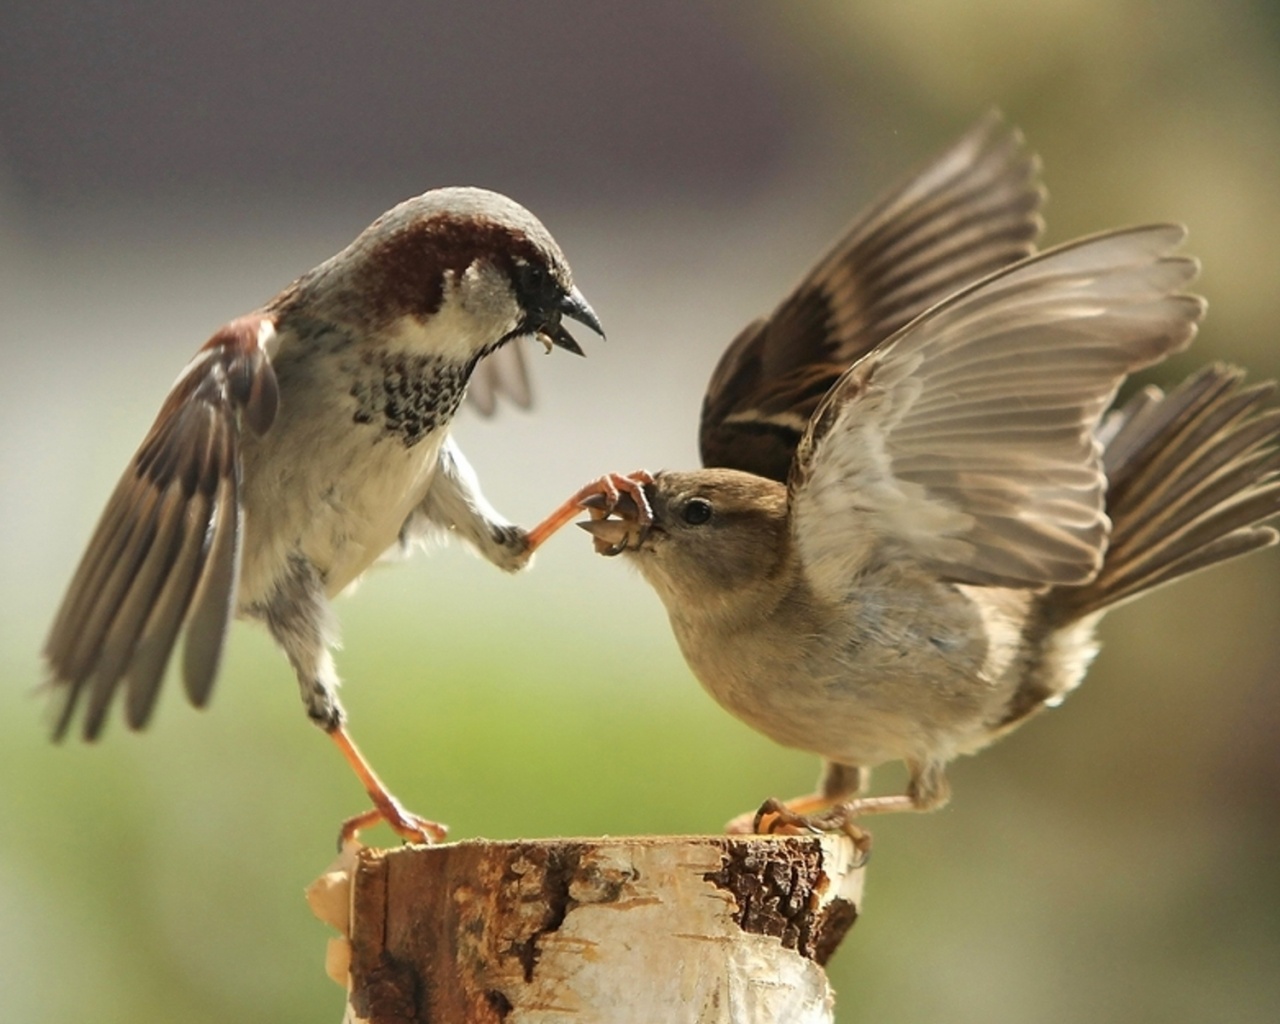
{"x": 863, "y": 846}
{"x": 775, "y": 817}
{"x": 840, "y": 818}
{"x": 602, "y": 494}
{"x": 772, "y": 818}
{"x": 606, "y": 495}
{"x": 621, "y": 496}
{"x": 410, "y": 827}
{"x": 766, "y": 817}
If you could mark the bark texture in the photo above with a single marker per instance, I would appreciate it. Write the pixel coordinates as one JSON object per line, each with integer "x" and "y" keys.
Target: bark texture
{"x": 686, "y": 928}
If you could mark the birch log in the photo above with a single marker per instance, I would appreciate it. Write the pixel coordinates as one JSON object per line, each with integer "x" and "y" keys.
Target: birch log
{"x": 578, "y": 931}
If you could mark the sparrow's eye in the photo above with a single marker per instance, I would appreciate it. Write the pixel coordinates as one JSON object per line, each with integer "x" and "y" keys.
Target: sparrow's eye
{"x": 696, "y": 511}
{"x": 533, "y": 280}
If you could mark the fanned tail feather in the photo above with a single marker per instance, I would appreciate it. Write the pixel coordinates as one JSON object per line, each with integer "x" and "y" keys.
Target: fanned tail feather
{"x": 1192, "y": 476}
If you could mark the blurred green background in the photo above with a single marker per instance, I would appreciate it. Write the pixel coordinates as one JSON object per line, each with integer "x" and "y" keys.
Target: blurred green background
{"x": 163, "y": 168}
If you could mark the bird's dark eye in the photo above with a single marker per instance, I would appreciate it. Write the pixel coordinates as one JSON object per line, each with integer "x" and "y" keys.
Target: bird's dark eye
{"x": 696, "y": 511}
{"x": 533, "y": 281}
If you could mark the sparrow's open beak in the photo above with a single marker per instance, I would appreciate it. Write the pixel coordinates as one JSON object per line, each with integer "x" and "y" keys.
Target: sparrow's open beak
{"x": 614, "y": 536}
{"x": 574, "y": 306}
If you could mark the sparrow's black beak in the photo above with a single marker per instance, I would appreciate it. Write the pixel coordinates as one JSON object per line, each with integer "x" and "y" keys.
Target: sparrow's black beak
{"x": 574, "y": 306}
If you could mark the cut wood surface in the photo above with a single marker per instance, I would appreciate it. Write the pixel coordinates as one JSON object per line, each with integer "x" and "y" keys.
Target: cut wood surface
{"x": 644, "y": 929}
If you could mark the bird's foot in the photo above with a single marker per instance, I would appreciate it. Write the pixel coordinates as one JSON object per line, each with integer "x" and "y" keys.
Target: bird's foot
{"x": 622, "y": 497}
{"x": 804, "y": 816}
{"x": 406, "y": 824}
{"x": 412, "y": 828}
{"x": 608, "y": 494}
{"x": 602, "y": 496}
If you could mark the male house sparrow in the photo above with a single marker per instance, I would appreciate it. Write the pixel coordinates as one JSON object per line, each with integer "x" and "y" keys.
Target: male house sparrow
{"x": 302, "y": 442}
{"x": 907, "y": 533}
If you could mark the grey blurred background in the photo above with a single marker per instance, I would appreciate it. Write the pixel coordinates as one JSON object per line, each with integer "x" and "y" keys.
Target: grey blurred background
{"x": 165, "y": 167}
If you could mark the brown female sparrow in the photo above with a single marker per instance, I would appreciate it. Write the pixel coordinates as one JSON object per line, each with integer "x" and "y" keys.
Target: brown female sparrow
{"x": 302, "y": 443}
{"x": 911, "y": 522}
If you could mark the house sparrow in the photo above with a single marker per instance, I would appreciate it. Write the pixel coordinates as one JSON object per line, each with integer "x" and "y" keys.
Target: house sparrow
{"x": 907, "y": 560}
{"x": 303, "y": 442}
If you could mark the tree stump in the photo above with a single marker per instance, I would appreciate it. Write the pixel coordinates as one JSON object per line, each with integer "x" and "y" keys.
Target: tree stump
{"x": 651, "y": 930}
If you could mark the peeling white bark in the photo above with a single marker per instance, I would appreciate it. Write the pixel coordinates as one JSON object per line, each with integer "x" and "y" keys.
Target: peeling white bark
{"x": 706, "y": 929}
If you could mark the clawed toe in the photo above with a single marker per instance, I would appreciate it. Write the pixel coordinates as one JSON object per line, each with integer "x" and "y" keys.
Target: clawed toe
{"x": 775, "y": 818}
{"x": 409, "y": 826}
{"x": 600, "y": 497}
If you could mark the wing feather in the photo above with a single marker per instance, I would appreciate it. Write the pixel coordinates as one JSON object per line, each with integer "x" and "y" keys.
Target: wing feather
{"x": 118, "y": 642}
{"x": 165, "y": 552}
{"x": 969, "y": 211}
{"x": 214, "y": 602}
{"x": 150, "y": 653}
{"x": 969, "y": 441}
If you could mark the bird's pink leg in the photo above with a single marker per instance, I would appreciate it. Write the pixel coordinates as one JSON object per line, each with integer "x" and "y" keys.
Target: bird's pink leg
{"x": 386, "y": 807}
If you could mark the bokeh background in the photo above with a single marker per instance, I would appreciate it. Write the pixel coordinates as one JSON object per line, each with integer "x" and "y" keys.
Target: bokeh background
{"x": 165, "y": 167}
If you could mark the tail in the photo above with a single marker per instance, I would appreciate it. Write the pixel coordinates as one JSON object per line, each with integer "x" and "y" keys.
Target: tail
{"x": 1191, "y": 476}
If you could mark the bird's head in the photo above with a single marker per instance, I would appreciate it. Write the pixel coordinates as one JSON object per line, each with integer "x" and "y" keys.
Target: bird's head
{"x": 712, "y": 532}
{"x": 454, "y": 272}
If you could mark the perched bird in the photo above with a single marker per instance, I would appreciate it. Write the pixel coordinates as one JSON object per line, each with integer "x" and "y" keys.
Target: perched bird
{"x": 910, "y": 525}
{"x": 303, "y": 442}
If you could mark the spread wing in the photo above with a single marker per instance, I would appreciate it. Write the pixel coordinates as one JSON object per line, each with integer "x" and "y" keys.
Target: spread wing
{"x": 970, "y": 211}
{"x": 968, "y": 440}
{"x": 165, "y": 556}
{"x": 503, "y": 373}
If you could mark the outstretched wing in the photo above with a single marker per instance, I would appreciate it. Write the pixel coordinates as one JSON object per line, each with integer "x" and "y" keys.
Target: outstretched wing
{"x": 968, "y": 441}
{"x": 166, "y": 553}
{"x": 970, "y": 211}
